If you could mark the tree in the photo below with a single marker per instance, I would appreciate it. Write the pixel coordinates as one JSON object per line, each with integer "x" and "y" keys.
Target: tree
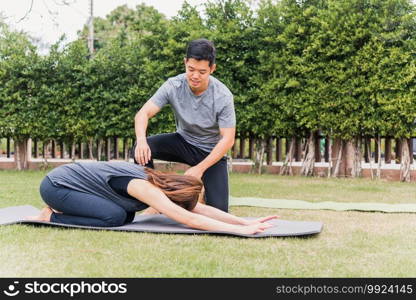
{"x": 230, "y": 24}
{"x": 286, "y": 104}
{"x": 18, "y": 78}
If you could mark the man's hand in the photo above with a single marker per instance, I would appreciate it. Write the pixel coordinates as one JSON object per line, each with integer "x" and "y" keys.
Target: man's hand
{"x": 195, "y": 171}
{"x": 142, "y": 153}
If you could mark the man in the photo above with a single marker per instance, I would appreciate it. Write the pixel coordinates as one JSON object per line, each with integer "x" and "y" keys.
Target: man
{"x": 205, "y": 123}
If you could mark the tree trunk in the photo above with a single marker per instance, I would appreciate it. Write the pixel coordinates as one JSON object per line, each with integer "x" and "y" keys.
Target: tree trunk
{"x": 53, "y": 150}
{"x": 347, "y": 161}
{"x": 44, "y": 149}
{"x": 251, "y": 143}
{"x": 328, "y": 143}
{"x": 356, "y": 170}
{"x": 90, "y": 148}
{"x": 234, "y": 153}
{"x": 405, "y": 161}
{"x": 378, "y": 156}
{"x": 99, "y": 148}
{"x": 242, "y": 146}
{"x": 35, "y": 144}
{"x": 327, "y": 149}
{"x": 309, "y": 160}
{"x": 108, "y": 149}
{"x": 298, "y": 149}
{"x": 338, "y": 147}
{"x": 269, "y": 151}
{"x": 44, "y": 155}
{"x": 260, "y": 150}
{"x": 368, "y": 150}
{"x": 278, "y": 149}
{"x": 126, "y": 149}
{"x": 73, "y": 150}
{"x": 398, "y": 150}
{"x": 62, "y": 146}
{"x": 115, "y": 148}
{"x": 287, "y": 145}
{"x": 317, "y": 145}
{"x": 81, "y": 150}
{"x": 21, "y": 155}
{"x": 8, "y": 147}
{"x": 387, "y": 151}
{"x": 287, "y": 165}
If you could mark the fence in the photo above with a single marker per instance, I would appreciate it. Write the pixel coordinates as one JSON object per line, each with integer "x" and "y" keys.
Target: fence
{"x": 244, "y": 148}
{"x": 277, "y": 149}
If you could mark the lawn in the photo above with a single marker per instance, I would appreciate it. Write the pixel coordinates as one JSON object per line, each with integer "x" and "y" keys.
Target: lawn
{"x": 352, "y": 244}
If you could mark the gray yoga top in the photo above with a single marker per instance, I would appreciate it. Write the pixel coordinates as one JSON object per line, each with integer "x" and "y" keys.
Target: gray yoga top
{"x": 93, "y": 178}
{"x": 198, "y": 118}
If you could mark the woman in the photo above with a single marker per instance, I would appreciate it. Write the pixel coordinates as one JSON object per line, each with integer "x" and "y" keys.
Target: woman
{"x": 107, "y": 194}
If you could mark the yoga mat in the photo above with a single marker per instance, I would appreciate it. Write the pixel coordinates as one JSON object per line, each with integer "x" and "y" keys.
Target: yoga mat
{"x": 162, "y": 224}
{"x": 327, "y": 205}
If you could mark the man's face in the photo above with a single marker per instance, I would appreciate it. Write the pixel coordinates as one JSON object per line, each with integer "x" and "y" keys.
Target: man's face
{"x": 197, "y": 73}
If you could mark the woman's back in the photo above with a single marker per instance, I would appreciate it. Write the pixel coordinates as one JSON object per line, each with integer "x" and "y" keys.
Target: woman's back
{"x": 93, "y": 177}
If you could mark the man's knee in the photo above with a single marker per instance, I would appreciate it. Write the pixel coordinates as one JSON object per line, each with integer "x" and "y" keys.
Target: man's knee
{"x": 217, "y": 195}
{"x": 221, "y": 204}
{"x": 158, "y": 143}
{"x": 216, "y": 186}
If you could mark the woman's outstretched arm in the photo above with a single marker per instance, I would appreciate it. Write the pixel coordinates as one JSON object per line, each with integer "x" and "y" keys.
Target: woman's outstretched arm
{"x": 220, "y": 215}
{"x": 154, "y": 197}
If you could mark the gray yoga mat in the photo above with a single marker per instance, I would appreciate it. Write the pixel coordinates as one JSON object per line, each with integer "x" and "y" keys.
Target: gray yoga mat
{"x": 162, "y": 224}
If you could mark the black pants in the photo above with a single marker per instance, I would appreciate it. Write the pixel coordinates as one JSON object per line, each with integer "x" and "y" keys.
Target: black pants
{"x": 173, "y": 147}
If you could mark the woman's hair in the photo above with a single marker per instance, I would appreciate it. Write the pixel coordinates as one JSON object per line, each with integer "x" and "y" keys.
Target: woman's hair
{"x": 183, "y": 190}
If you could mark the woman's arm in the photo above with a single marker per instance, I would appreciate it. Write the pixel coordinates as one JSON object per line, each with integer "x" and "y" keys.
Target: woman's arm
{"x": 220, "y": 215}
{"x": 154, "y": 197}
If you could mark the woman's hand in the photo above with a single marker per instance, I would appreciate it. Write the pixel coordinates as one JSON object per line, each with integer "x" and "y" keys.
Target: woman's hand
{"x": 154, "y": 197}
{"x": 253, "y": 228}
{"x": 260, "y": 220}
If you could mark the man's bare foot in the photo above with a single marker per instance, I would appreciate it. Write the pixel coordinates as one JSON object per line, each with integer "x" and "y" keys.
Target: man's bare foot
{"x": 44, "y": 215}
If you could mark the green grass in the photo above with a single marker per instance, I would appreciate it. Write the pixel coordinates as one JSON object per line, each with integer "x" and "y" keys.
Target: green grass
{"x": 352, "y": 244}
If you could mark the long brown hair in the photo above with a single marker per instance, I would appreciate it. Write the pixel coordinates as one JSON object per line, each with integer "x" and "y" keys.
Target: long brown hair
{"x": 183, "y": 190}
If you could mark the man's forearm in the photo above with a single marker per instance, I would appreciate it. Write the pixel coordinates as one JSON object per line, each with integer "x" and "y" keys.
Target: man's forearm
{"x": 140, "y": 125}
{"x": 217, "y": 153}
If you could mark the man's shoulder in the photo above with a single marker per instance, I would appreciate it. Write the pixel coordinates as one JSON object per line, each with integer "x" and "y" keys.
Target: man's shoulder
{"x": 177, "y": 81}
{"x": 220, "y": 89}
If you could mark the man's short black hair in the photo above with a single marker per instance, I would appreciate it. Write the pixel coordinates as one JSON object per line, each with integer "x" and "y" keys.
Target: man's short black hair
{"x": 201, "y": 49}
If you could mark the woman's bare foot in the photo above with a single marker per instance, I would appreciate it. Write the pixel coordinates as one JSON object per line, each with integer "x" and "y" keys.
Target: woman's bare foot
{"x": 55, "y": 211}
{"x": 45, "y": 215}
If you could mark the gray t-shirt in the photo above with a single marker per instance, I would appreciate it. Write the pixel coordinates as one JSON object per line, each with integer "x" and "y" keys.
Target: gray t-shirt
{"x": 198, "y": 118}
{"x": 93, "y": 177}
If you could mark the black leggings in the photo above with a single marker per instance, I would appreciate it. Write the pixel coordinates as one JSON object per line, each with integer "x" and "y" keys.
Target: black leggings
{"x": 82, "y": 208}
{"x": 173, "y": 147}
